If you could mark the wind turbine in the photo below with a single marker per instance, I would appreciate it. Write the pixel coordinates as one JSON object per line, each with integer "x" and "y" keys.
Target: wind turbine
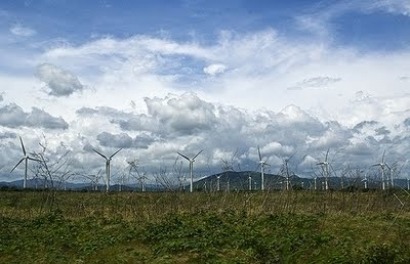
{"x": 141, "y": 180}
{"x": 382, "y": 165}
{"x": 285, "y": 170}
{"x": 107, "y": 167}
{"x": 262, "y": 164}
{"x": 191, "y": 168}
{"x": 25, "y": 159}
{"x": 325, "y": 166}
{"x": 365, "y": 180}
{"x": 218, "y": 186}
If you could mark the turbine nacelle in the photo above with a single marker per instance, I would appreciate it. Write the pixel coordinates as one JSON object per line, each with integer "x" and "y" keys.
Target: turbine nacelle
{"x": 191, "y": 160}
{"x": 105, "y": 157}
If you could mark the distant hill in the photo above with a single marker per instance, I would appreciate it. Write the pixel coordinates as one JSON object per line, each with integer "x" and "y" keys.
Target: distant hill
{"x": 228, "y": 180}
{"x": 40, "y": 184}
{"x": 232, "y": 180}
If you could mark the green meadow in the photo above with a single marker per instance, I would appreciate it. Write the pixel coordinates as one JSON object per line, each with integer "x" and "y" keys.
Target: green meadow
{"x": 216, "y": 227}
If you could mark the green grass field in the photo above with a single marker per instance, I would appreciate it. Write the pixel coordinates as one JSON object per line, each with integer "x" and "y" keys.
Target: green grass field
{"x": 242, "y": 227}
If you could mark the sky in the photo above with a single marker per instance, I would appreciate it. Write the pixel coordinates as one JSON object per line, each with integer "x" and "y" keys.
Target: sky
{"x": 296, "y": 78}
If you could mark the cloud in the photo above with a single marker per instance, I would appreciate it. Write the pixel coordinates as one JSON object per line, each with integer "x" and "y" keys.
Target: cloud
{"x": 189, "y": 123}
{"x": 22, "y": 31}
{"x": 7, "y": 135}
{"x": 13, "y": 116}
{"x": 187, "y": 114}
{"x": 123, "y": 140}
{"x": 315, "y": 82}
{"x": 214, "y": 69}
{"x": 118, "y": 141}
{"x": 406, "y": 122}
{"x": 392, "y": 6}
{"x": 103, "y": 111}
{"x": 40, "y": 118}
{"x": 226, "y": 96}
{"x": 59, "y": 82}
{"x": 140, "y": 122}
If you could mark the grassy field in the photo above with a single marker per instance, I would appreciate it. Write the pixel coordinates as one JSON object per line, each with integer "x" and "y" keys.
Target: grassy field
{"x": 236, "y": 227}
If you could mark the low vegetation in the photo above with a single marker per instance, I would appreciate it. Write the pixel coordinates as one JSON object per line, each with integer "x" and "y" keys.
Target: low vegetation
{"x": 173, "y": 227}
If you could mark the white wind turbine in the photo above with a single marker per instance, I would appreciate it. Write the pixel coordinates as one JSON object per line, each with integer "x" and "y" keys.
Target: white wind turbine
{"x": 107, "y": 167}
{"x": 191, "y": 169}
{"x": 325, "y": 167}
{"x": 141, "y": 179}
{"x": 365, "y": 180}
{"x": 218, "y": 182}
{"x": 262, "y": 164}
{"x": 25, "y": 159}
{"x": 382, "y": 165}
{"x": 285, "y": 170}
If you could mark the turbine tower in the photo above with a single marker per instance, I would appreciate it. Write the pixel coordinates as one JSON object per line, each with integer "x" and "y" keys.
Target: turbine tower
{"x": 25, "y": 158}
{"x": 262, "y": 164}
{"x": 382, "y": 165}
{"x": 218, "y": 184}
{"x": 141, "y": 180}
{"x": 191, "y": 169}
{"x": 107, "y": 167}
{"x": 285, "y": 171}
{"x": 325, "y": 166}
{"x": 366, "y": 181}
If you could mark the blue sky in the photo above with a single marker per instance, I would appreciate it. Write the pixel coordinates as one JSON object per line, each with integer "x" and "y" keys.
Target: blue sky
{"x": 78, "y": 20}
{"x": 156, "y": 77}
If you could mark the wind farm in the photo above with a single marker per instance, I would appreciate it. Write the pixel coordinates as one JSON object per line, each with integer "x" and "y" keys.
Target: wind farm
{"x": 284, "y": 179}
{"x": 204, "y": 131}
{"x": 146, "y": 203}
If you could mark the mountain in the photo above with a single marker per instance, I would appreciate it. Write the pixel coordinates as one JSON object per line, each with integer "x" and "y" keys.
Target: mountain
{"x": 228, "y": 180}
{"x": 233, "y": 180}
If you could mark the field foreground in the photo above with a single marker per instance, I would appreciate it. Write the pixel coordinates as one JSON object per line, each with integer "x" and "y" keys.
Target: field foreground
{"x": 243, "y": 227}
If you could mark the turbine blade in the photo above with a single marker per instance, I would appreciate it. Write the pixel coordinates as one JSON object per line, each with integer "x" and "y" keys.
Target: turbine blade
{"x": 197, "y": 154}
{"x": 185, "y": 157}
{"x": 115, "y": 153}
{"x": 259, "y": 153}
{"x": 18, "y": 163}
{"x": 22, "y": 146}
{"x": 33, "y": 159}
{"x": 327, "y": 154}
{"x": 384, "y": 151}
{"x": 99, "y": 153}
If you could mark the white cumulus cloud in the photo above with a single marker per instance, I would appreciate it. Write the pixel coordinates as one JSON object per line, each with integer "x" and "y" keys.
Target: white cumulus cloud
{"x": 59, "y": 82}
{"x": 214, "y": 69}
